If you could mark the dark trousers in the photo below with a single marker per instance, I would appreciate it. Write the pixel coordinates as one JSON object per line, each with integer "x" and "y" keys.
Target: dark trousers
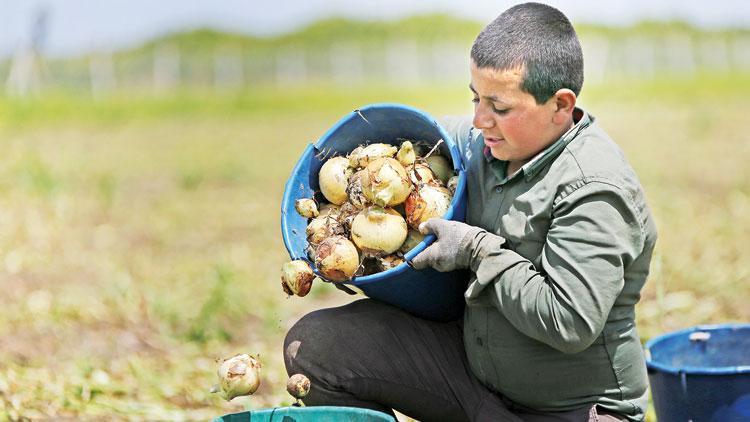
{"x": 372, "y": 355}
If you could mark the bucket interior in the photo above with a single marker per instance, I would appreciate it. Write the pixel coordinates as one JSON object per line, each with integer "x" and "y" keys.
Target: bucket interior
{"x": 704, "y": 348}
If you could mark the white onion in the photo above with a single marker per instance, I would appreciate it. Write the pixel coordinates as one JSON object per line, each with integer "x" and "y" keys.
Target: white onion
{"x": 406, "y": 154}
{"x": 385, "y": 182}
{"x": 333, "y": 179}
{"x": 364, "y": 155}
{"x": 337, "y": 258}
{"x": 378, "y": 231}
{"x": 239, "y": 376}
{"x": 328, "y": 209}
{"x": 306, "y": 207}
{"x": 441, "y": 167}
{"x": 297, "y": 277}
{"x": 321, "y": 227}
{"x": 427, "y": 201}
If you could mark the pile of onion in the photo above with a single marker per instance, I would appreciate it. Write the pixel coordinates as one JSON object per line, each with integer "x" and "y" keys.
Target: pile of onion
{"x": 372, "y": 202}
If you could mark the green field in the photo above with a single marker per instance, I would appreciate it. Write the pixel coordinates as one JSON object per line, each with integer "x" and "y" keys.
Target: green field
{"x": 140, "y": 241}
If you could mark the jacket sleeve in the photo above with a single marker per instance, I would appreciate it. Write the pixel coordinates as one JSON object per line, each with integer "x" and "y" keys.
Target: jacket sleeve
{"x": 594, "y": 235}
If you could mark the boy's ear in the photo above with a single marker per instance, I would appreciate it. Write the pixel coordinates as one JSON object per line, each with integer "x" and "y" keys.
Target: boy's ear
{"x": 565, "y": 102}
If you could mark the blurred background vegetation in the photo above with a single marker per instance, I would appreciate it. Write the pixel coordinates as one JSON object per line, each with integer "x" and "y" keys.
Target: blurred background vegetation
{"x": 140, "y": 194}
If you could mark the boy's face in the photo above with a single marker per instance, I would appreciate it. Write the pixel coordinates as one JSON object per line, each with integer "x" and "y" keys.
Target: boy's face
{"x": 514, "y": 126}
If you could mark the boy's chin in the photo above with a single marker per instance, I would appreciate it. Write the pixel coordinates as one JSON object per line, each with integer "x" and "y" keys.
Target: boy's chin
{"x": 500, "y": 155}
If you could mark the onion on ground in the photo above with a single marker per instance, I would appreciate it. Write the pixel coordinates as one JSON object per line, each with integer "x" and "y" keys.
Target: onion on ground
{"x": 297, "y": 277}
{"x": 385, "y": 182}
{"x": 333, "y": 179}
{"x": 427, "y": 201}
{"x": 337, "y": 258}
{"x": 378, "y": 231}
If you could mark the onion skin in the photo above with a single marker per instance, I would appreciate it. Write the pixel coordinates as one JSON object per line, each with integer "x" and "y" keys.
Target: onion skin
{"x": 298, "y": 386}
{"x": 297, "y": 277}
{"x": 385, "y": 182}
{"x": 239, "y": 376}
{"x": 333, "y": 179}
{"x": 378, "y": 231}
{"x": 452, "y": 185}
{"x": 337, "y": 258}
{"x": 354, "y": 190}
{"x": 441, "y": 167}
{"x": 427, "y": 201}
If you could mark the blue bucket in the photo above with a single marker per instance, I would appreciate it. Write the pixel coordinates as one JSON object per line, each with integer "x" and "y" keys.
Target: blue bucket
{"x": 701, "y": 374}
{"x": 428, "y": 294}
{"x": 307, "y": 414}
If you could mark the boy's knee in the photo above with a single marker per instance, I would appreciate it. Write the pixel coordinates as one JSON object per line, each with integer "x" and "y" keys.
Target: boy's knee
{"x": 308, "y": 336}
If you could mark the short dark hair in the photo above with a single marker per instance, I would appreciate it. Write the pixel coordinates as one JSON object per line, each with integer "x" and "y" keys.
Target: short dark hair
{"x": 539, "y": 38}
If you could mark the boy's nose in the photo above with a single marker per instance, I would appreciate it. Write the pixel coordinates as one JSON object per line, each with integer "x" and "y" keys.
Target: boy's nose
{"x": 482, "y": 119}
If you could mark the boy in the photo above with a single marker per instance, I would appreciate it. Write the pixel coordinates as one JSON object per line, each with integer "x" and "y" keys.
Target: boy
{"x": 558, "y": 238}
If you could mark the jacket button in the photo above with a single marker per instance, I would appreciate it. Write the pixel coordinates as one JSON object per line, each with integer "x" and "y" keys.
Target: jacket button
{"x": 479, "y": 341}
{"x": 498, "y": 189}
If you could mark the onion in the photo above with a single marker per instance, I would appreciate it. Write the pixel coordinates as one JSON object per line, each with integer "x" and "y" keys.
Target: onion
{"x": 298, "y": 386}
{"x": 427, "y": 201}
{"x": 387, "y": 262}
{"x": 452, "y": 185}
{"x": 413, "y": 238}
{"x": 364, "y": 155}
{"x": 385, "y": 183}
{"x": 440, "y": 166}
{"x": 336, "y": 258}
{"x": 321, "y": 227}
{"x": 333, "y": 179}
{"x": 406, "y": 154}
{"x": 238, "y": 376}
{"x": 421, "y": 173}
{"x": 306, "y": 207}
{"x": 378, "y": 231}
{"x": 354, "y": 190}
{"x": 297, "y": 277}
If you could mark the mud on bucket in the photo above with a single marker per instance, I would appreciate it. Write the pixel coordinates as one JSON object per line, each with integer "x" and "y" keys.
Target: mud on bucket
{"x": 701, "y": 374}
{"x": 428, "y": 293}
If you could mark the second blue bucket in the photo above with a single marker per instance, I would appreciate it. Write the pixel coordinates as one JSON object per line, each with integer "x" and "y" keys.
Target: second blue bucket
{"x": 701, "y": 374}
{"x": 429, "y": 294}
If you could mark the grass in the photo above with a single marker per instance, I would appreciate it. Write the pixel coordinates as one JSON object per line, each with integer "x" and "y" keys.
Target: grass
{"x": 139, "y": 236}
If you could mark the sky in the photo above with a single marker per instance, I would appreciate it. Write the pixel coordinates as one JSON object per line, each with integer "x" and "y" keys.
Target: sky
{"x": 78, "y": 26}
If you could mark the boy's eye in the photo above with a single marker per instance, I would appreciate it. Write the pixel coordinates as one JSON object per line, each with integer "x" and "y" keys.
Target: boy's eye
{"x": 500, "y": 111}
{"x": 475, "y": 100}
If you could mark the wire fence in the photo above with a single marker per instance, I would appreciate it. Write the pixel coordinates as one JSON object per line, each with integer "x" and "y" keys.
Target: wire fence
{"x": 405, "y": 62}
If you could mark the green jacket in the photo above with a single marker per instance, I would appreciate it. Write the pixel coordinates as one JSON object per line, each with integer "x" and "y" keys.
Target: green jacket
{"x": 550, "y": 320}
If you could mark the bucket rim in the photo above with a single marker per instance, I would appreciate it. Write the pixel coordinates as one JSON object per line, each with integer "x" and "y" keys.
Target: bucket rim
{"x": 695, "y": 370}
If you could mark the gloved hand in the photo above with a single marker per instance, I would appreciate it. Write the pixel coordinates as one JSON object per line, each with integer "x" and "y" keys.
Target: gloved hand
{"x": 452, "y": 249}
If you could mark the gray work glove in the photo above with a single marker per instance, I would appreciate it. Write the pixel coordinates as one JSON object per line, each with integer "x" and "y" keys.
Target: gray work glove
{"x": 452, "y": 250}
